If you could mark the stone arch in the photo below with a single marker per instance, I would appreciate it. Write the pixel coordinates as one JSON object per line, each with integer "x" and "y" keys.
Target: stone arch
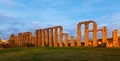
{"x": 50, "y": 36}
{"x": 56, "y": 35}
{"x": 104, "y": 34}
{"x": 86, "y": 32}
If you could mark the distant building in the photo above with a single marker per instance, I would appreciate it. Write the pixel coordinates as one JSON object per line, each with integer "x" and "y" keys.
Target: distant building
{"x": 3, "y": 41}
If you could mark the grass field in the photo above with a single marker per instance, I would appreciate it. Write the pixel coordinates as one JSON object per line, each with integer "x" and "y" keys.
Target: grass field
{"x": 60, "y": 54}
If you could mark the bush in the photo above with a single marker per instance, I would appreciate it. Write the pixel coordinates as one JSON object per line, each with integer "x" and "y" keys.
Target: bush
{"x": 28, "y": 45}
{"x": 4, "y": 46}
{"x": 102, "y": 45}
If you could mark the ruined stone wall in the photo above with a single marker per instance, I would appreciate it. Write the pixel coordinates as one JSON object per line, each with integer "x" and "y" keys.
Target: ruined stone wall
{"x": 55, "y": 37}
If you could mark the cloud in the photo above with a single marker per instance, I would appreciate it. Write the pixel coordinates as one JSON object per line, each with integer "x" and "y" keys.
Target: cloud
{"x": 111, "y": 21}
{"x": 8, "y": 25}
{"x": 10, "y": 3}
{"x": 36, "y": 14}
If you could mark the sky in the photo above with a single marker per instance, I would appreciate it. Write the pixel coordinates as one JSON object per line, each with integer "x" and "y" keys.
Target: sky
{"x": 28, "y": 15}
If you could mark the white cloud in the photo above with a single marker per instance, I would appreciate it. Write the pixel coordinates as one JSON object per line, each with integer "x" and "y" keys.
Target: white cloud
{"x": 10, "y": 3}
{"x": 112, "y": 20}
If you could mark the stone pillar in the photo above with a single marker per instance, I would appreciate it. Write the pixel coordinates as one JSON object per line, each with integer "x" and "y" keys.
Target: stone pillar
{"x": 38, "y": 38}
{"x": 86, "y": 34}
{"x": 16, "y": 42}
{"x": 115, "y": 38}
{"x": 61, "y": 36}
{"x": 24, "y": 39}
{"x": 51, "y": 37}
{"x": 55, "y": 37}
{"x": 79, "y": 35}
{"x": 72, "y": 42}
{"x": 43, "y": 38}
{"x": 104, "y": 34}
{"x": 94, "y": 34}
{"x": 20, "y": 40}
{"x": 30, "y": 36}
{"x": 47, "y": 37}
{"x": 33, "y": 40}
{"x": 66, "y": 39}
{"x": 12, "y": 40}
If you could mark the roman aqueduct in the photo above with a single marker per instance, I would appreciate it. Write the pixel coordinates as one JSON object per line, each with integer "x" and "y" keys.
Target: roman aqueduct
{"x": 54, "y": 37}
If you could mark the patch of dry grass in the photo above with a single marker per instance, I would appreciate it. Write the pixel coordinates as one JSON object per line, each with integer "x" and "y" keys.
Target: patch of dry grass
{"x": 60, "y": 54}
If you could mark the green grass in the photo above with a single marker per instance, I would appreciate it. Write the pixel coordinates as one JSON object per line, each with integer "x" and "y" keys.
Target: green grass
{"x": 60, "y": 54}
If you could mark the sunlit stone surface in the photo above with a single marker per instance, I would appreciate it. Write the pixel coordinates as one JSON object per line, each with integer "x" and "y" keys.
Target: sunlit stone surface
{"x": 55, "y": 37}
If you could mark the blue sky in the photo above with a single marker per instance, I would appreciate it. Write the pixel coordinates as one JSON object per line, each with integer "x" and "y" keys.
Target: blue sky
{"x": 28, "y": 15}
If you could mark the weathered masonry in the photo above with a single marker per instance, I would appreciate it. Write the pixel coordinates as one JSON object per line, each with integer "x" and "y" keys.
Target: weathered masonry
{"x": 54, "y": 37}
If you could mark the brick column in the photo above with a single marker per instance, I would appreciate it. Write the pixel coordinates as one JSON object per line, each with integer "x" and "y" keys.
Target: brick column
{"x": 47, "y": 37}
{"x": 24, "y": 39}
{"x": 94, "y": 34}
{"x": 72, "y": 41}
{"x": 51, "y": 37}
{"x": 29, "y": 37}
{"x": 104, "y": 34}
{"x": 16, "y": 42}
{"x": 20, "y": 40}
{"x": 61, "y": 36}
{"x": 86, "y": 34}
{"x": 12, "y": 40}
{"x": 66, "y": 39}
{"x": 79, "y": 35}
{"x": 55, "y": 37}
{"x": 43, "y": 38}
{"x": 33, "y": 40}
{"x": 37, "y": 35}
{"x": 115, "y": 38}
{"x": 38, "y": 38}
